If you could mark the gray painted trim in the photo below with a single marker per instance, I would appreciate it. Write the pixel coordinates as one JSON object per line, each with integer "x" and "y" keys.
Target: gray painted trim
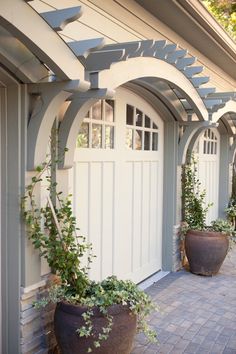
{"x": 169, "y": 192}
{"x": 11, "y": 243}
{"x": 32, "y": 274}
{"x": 2, "y": 241}
{"x": 58, "y": 19}
{"x": 224, "y": 174}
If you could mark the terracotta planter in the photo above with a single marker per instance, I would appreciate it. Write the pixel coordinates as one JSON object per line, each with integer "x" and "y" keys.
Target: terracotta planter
{"x": 206, "y": 251}
{"x": 68, "y": 318}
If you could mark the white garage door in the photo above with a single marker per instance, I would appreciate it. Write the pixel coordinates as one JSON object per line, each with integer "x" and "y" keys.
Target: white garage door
{"x": 117, "y": 186}
{"x": 208, "y": 169}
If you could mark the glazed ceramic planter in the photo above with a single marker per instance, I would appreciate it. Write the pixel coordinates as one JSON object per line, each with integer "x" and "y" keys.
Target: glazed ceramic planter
{"x": 206, "y": 251}
{"x": 68, "y": 318}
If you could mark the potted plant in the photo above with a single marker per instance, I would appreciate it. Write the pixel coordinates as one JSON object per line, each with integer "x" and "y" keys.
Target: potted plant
{"x": 99, "y": 317}
{"x": 205, "y": 246}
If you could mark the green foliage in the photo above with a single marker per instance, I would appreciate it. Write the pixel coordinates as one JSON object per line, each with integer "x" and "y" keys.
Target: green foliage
{"x": 225, "y": 13}
{"x": 53, "y": 231}
{"x": 104, "y": 294}
{"x": 231, "y": 208}
{"x": 193, "y": 197}
{"x": 231, "y": 212}
{"x": 221, "y": 225}
{"x": 195, "y": 209}
{"x": 226, "y": 227}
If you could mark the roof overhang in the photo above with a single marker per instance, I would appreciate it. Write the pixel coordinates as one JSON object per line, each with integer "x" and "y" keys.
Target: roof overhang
{"x": 200, "y": 29}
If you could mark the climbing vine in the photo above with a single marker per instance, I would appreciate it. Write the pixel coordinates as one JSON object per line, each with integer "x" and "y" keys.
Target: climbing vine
{"x": 193, "y": 197}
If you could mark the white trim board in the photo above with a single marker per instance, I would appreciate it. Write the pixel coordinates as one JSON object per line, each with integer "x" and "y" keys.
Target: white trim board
{"x": 152, "y": 279}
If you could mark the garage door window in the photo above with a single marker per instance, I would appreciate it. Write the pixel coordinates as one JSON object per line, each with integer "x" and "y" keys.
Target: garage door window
{"x": 97, "y": 129}
{"x": 141, "y": 131}
{"x": 209, "y": 143}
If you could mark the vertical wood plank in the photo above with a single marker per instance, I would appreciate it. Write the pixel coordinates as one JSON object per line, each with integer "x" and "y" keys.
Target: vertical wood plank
{"x": 145, "y": 212}
{"x": 107, "y": 218}
{"x": 95, "y": 217}
{"x": 137, "y": 213}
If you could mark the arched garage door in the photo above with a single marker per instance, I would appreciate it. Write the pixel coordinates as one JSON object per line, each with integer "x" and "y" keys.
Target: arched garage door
{"x": 117, "y": 186}
{"x": 208, "y": 150}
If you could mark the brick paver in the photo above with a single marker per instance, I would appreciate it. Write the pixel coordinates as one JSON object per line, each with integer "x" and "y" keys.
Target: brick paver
{"x": 197, "y": 314}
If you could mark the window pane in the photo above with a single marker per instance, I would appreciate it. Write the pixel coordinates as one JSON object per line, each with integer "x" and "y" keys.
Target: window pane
{"x": 154, "y": 126}
{"x": 87, "y": 115}
{"x": 109, "y": 138}
{"x": 146, "y": 140}
{"x": 109, "y": 110}
{"x": 208, "y": 147}
{"x": 138, "y": 140}
{"x": 215, "y": 152}
{"x": 129, "y": 138}
{"x": 154, "y": 141}
{"x": 139, "y": 118}
{"x": 97, "y": 111}
{"x": 147, "y": 122}
{"x": 212, "y": 147}
{"x": 83, "y": 136}
{"x": 129, "y": 115}
{"x": 204, "y": 147}
{"x": 96, "y": 136}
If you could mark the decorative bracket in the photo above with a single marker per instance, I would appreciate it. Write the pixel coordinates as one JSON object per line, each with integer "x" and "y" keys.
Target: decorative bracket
{"x": 73, "y": 117}
{"x": 194, "y": 128}
{"x": 46, "y": 102}
{"x": 58, "y": 19}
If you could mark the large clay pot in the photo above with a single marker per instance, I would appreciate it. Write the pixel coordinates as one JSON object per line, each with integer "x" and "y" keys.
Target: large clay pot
{"x": 68, "y": 318}
{"x": 206, "y": 251}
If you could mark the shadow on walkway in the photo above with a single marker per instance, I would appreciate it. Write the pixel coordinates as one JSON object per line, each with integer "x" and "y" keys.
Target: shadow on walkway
{"x": 197, "y": 314}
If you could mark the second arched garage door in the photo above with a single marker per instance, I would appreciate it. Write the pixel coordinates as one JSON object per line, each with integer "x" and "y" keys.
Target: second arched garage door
{"x": 117, "y": 186}
{"x": 208, "y": 159}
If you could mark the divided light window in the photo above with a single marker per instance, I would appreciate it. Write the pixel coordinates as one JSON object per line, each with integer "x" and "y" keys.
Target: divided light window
{"x": 97, "y": 129}
{"x": 209, "y": 142}
{"x": 141, "y": 131}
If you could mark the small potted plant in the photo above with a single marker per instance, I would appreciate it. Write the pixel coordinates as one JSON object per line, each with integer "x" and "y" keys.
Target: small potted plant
{"x": 98, "y": 317}
{"x": 205, "y": 246}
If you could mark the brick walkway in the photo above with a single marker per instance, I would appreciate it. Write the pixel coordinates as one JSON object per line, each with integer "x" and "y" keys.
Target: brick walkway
{"x": 197, "y": 314}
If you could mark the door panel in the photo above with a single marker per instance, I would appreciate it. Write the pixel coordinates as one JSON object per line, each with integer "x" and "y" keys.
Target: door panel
{"x": 208, "y": 170}
{"x": 118, "y": 200}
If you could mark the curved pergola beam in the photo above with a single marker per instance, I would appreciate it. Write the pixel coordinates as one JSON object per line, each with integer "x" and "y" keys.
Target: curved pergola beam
{"x": 161, "y": 90}
{"x": 189, "y": 138}
{"x": 46, "y": 108}
{"x": 230, "y": 107}
{"x": 69, "y": 128}
{"x": 154, "y": 98}
{"x": 19, "y": 60}
{"x": 142, "y": 67}
{"x": 14, "y": 16}
{"x": 232, "y": 152}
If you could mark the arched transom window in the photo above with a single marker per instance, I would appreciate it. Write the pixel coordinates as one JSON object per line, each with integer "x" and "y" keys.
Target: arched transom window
{"x": 209, "y": 142}
{"x": 97, "y": 129}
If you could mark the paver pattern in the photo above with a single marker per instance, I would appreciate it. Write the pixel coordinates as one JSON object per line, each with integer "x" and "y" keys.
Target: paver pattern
{"x": 197, "y": 314}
